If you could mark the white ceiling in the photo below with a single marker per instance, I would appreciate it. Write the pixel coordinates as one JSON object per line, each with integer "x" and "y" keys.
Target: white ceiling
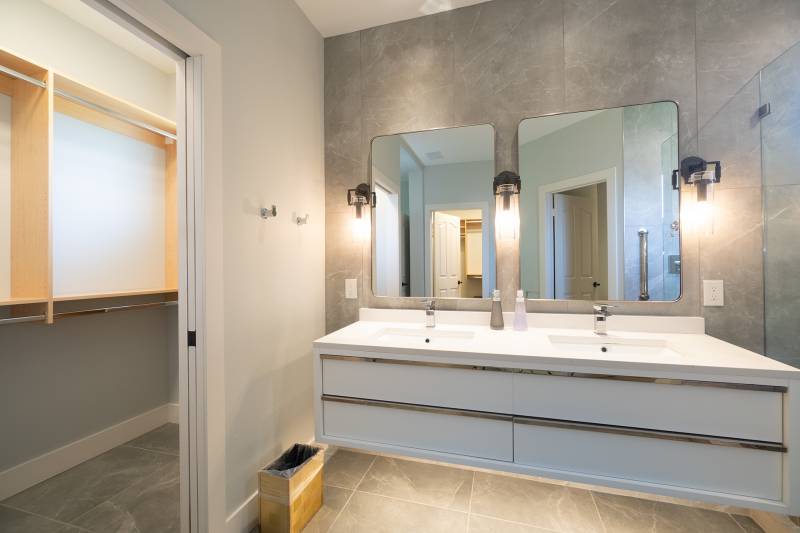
{"x": 92, "y": 19}
{"x": 534, "y": 128}
{"x": 335, "y": 17}
{"x": 452, "y": 145}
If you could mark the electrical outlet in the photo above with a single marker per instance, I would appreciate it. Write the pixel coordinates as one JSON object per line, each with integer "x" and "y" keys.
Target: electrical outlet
{"x": 351, "y": 288}
{"x": 713, "y": 293}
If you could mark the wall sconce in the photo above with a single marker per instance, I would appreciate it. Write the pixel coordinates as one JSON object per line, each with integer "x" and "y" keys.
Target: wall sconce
{"x": 695, "y": 171}
{"x": 507, "y": 186}
{"x": 361, "y": 197}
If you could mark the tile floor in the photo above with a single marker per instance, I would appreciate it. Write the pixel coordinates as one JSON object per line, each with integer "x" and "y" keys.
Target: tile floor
{"x": 373, "y": 494}
{"x": 131, "y": 488}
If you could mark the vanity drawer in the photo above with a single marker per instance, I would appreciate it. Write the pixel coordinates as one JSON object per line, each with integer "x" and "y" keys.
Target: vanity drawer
{"x": 730, "y": 470}
{"x": 455, "y": 386}
{"x": 689, "y": 408}
{"x": 488, "y": 437}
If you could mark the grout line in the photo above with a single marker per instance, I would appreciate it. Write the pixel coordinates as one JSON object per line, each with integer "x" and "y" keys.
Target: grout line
{"x": 737, "y": 522}
{"x": 148, "y": 450}
{"x": 45, "y": 517}
{"x": 469, "y": 505}
{"x": 404, "y": 500}
{"x": 515, "y": 523}
{"x": 597, "y": 508}
{"x": 374, "y": 458}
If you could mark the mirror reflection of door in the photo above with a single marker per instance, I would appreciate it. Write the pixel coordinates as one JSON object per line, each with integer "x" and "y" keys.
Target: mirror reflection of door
{"x": 387, "y": 242}
{"x": 579, "y": 252}
{"x": 446, "y": 255}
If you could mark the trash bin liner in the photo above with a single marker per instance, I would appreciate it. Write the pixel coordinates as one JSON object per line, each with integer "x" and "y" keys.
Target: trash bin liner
{"x": 291, "y": 460}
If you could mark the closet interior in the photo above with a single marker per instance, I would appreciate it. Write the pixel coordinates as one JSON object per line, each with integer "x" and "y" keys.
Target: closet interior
{"x": 89, "y": 225}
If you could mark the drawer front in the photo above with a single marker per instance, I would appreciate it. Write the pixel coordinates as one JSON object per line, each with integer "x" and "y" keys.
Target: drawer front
{"x": 408, "y": 383}
{"x": 730, "y": 470}
{"x": 704, "y": 410}
{"x": 487, "y": 438}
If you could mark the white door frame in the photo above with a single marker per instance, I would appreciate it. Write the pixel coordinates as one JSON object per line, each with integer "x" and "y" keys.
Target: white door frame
{"x": 615, "y": 271}
{"x": 201, "y": 368}
{"x": 488, "y": 251}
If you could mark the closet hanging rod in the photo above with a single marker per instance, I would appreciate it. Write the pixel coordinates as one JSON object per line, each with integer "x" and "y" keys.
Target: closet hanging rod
{"x": 114, "y": 114}
{"x": 78, "y": 100}
{"x": 101, "y": 310}
{"x": 24, "y": 77}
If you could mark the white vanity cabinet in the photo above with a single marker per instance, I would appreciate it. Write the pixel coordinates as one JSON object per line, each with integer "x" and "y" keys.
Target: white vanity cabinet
{"x": 724, "y": 437}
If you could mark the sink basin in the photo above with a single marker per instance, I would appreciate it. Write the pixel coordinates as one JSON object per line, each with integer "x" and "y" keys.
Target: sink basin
{"x": 613, "y": 345}
{"x": 426, "y": 336}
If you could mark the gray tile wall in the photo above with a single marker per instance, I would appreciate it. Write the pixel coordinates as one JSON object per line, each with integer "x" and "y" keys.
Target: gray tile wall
{"x": 502, "y": 61}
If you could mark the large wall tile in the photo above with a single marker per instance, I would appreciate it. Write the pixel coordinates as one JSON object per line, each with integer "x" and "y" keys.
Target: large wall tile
{"x": 733, "y": 254}
{"x": 736, "y": 39}
{"x": 622, "y": 52}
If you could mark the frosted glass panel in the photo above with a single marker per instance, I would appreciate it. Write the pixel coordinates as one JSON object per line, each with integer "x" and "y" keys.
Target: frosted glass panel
{"x": 780, "y": 133}
{"x": 108, "y": 210}
{"x": 5, "y": 196}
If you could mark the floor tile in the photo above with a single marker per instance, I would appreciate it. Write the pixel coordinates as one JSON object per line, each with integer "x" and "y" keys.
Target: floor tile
{"x": 369, "y": 513}
{"x": 544, "y": 505}
{"x": 747, "y": 524}
{"x": 437, "y": 485}
{"x": 334, "y": 500}
{"x": 76, "y": 491}
{"x": 623, "y": 514}
{"x": 482, "y": 524}
{"x": 13, "y": 521}
{"x": 151, "y": 505}
{"x": 162, "y": 439}
{"x": 345, "y": 469}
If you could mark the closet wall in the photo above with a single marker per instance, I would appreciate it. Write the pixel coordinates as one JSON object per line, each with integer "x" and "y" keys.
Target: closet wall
{"x": 82, "y": 375}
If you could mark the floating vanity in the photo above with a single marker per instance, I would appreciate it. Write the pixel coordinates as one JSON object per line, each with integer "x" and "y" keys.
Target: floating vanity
{"x": 655, "y": 406}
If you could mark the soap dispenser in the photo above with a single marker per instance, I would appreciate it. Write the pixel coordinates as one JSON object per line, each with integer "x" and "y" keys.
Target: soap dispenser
{"x": 496, "y": 321}
{"x": 520, "y": 315}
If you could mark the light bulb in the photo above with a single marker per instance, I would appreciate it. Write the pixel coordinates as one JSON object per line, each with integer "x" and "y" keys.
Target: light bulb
{"x": 361, "y": 228}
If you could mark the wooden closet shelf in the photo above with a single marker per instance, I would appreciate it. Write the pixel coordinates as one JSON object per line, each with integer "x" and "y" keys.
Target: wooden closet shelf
{"x": 22, "y": 301}
{"x": 115, "y": 294}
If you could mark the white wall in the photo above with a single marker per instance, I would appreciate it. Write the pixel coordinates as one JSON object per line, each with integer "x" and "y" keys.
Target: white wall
{"x": 108, "y": 211}
{"x": 46, "y": 36}
{"x": 5, "y": 196}
{"x": 274, "y": 270}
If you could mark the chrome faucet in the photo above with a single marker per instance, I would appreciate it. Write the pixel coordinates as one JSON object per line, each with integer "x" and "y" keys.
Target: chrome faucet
{"x": 601, "y": 314}
{"x": 430, "y": 313}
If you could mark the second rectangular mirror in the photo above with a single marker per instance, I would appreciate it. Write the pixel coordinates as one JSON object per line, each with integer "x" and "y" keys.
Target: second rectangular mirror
{"x": 433, "y": 218}
{"x": 598, "y": 212}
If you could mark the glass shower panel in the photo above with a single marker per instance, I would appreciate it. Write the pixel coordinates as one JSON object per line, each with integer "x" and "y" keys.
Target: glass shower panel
{"x": 780, "y": 138}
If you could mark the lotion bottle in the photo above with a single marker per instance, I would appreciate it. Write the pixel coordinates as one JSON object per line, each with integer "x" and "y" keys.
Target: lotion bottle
{"x": 496, "y": 321}
{"x": 520, "y": 314}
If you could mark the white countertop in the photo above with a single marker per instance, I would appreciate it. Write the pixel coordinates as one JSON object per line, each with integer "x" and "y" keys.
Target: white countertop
{"x": 688, "y": 348}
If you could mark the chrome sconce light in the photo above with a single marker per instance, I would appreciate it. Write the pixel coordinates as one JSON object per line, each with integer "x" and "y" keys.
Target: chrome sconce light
{"x": 696, "y": 171}
{"x": 507, "y": 186}
{"x": 361, "y": 197}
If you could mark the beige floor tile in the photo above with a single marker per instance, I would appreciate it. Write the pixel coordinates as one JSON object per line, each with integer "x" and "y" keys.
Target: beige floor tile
{"x": 369, "y": 513}
{"x": 345, "y": 469}
{"x": 482, "y": 524}
{"x": 622, "y": 514}
{"x": 555, "y": 507}
{"x": 431, "y": 484}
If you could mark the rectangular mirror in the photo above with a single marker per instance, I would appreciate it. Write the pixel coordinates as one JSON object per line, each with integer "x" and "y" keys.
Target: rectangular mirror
{"x": 433, "y": 231}
{"x": 599, "y": 218}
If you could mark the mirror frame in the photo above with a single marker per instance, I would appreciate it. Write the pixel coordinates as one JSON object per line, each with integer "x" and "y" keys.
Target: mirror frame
{"x": 372, "y": 212}
{"x": 680, "y": 204}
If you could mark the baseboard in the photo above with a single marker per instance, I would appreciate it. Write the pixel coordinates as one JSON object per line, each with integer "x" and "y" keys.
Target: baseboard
{"x": 245, "y": 517}
{"x": 25, "y": 475}
{"x": 173, "y": 413}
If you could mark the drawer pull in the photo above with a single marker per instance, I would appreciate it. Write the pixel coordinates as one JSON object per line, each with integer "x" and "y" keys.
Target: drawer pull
{"x": 556, "y": 373}
{"x": 652, "y": 434}
{"x": 419, "y": 408}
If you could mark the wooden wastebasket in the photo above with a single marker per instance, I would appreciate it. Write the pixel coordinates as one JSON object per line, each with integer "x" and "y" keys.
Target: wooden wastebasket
{"x": 288, "y": 504}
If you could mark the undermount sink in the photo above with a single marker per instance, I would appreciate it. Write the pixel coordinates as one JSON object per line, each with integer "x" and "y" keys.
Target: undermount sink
{"x": 613, "y": 345}
{"x": 426, "y": 336}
